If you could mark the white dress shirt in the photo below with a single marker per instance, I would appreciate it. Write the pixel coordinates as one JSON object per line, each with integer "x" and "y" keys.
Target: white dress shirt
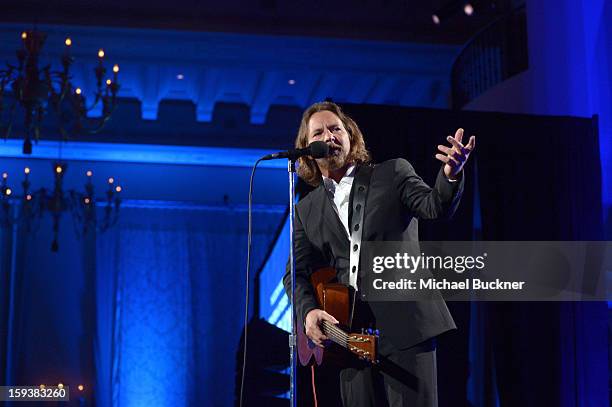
{"x": 339, "y": 193}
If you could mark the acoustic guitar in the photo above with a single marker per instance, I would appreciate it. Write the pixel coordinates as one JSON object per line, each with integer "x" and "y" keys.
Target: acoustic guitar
{"x": 335, "y": 299}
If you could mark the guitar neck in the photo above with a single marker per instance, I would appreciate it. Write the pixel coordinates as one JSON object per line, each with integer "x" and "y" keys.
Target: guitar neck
{"x": 335, "y": 334}
{"x": 361, "y": 345}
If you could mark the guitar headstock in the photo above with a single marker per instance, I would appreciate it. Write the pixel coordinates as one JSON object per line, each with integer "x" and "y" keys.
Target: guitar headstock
{"x": 364, "y": 346}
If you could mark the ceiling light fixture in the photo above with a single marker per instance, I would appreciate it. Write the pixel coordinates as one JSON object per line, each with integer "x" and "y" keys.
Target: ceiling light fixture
{"x": 37, "y": 90}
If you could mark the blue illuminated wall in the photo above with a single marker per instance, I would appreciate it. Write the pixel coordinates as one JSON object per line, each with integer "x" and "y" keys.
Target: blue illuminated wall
{"x": 570, "y": 57}
{"x": 570, "y": 72}
{"x": 157, "y": 299}
{"x": 274, "y": 304}
{"x": 179, "y": 284}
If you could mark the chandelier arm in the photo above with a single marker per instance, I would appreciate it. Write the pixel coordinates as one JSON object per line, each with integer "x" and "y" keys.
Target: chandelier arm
{"x": 63, "y": 82}
{"x": 96, "y": 101}
{"x": 57, "y": 108}
{"x": 9, "y": 127}
{"x": 98, "y": 128}
{"x": 75, "y": 207}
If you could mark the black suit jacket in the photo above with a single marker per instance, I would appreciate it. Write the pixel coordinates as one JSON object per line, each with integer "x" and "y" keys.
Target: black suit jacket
{"x": 397, "y": 197}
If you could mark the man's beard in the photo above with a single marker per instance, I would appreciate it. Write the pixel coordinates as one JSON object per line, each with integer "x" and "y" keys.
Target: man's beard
{"x": 332, "y": 162}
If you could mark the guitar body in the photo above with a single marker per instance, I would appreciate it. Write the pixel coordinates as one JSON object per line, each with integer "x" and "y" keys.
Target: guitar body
{"x": 335, "y": 299}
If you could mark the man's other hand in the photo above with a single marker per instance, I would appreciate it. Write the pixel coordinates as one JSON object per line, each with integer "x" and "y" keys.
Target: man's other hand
{"x": 312, "y": 324}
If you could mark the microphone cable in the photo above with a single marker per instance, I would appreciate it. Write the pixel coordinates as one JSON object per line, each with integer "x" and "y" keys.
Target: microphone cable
{"x": 248, "y": 267}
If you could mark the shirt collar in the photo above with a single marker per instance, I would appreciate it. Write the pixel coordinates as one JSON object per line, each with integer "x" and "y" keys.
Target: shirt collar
{"x": 346, "y": 179}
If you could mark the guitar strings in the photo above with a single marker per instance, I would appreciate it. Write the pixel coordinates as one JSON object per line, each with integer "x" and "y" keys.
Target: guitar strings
{"x": 334, "y": 332}
{"x": 335, "y": 335}
{"x": 337, "y": 340}
{"x": 334, "y": 328}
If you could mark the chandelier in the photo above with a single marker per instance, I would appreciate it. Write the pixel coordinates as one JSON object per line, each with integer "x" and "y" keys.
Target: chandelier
{"x": 30, "y": 206}
{"x": 37, "y": 90}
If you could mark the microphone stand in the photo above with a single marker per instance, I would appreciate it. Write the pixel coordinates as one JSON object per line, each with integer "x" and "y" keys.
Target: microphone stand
{"x": 316, "y": 149}
{"x": 293, "y": 336}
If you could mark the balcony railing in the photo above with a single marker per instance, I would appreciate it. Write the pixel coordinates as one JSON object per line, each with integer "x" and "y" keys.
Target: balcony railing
{"x": 495, "y": 54}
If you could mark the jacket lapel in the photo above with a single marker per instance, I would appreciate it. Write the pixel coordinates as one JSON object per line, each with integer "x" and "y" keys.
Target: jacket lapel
{"x": 330, "y": 217}
{"x": 362, "y": 178}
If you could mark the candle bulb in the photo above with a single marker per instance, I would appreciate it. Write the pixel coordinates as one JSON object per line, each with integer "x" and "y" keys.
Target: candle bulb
{"x": 24, "y": 37}
{"x": 68, "y": 44}
{"x": 100, "y": 59}
{"x": 89, "y": 185}
{"x": 79, "y": 97}
{"x": 115, "y": 72}
{"x": 26, "y": 184}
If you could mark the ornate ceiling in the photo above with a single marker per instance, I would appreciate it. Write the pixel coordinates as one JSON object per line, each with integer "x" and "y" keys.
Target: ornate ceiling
{"x": 257, "y": 71}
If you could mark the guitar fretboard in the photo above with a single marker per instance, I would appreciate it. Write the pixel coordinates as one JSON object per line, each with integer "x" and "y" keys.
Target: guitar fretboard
{"x": 335, "y": 334}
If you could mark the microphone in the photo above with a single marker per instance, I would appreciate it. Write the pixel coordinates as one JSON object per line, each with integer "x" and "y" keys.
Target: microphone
{"x": 316, "y": 149}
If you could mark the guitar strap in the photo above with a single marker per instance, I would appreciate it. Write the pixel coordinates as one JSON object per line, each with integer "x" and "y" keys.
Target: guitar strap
{"x": 361, "y": 185}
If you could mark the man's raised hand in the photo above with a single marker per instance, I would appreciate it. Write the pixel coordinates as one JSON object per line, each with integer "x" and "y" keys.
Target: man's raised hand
{"x": 456, "y": 155}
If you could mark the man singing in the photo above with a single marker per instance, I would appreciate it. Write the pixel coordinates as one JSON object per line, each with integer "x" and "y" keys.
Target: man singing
{"x": 394, "y": 197}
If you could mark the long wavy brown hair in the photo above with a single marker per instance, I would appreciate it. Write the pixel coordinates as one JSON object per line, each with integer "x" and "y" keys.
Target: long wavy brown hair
{"x": 308, "y": 169}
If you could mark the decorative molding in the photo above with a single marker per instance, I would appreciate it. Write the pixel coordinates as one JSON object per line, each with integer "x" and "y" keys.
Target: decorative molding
{"x": 142, "y": 153}
{"x": 257, "y": 70}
